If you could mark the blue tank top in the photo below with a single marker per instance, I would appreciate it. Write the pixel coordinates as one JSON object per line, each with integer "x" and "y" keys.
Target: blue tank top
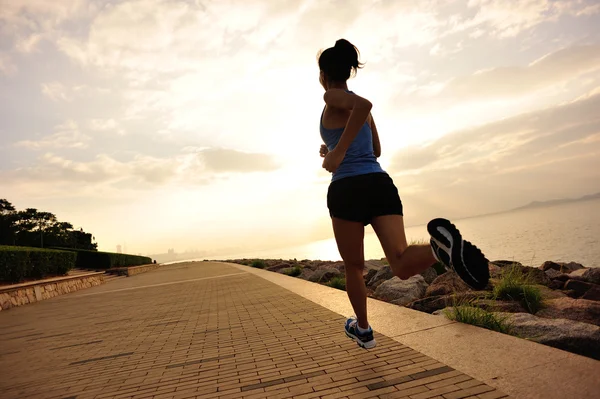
{"x": 360, "y": 158}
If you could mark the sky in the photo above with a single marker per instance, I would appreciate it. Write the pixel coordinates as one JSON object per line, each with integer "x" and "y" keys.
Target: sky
{"x": 193, "y": 125}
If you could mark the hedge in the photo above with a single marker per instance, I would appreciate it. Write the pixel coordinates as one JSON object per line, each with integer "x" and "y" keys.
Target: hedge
{"x": 105, "y": 260}
{"x": 25, "y": 263}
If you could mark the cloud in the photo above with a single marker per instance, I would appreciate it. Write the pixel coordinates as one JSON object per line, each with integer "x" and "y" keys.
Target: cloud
{"x": 552, "y": 69}
{"x": 551, "y": 73}
{"x": 191, "y": 167}
{"x": 107, "y": 125}
{"x": 519, "y": 159}
{"x": 7, "y": 66}
{"x": 66, "y": 135}
{"x": 225, "y": 160}
{"x": 56, "y": 91}
{"x": 30, "y": 22}
{"x": 508, "y": 18}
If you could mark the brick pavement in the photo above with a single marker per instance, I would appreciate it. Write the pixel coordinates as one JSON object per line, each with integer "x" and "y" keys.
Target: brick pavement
{"x": 206, "y": 330}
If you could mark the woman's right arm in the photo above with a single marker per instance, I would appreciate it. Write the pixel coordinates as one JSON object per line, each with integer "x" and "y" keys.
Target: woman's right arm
{"x": 376, "y": 143}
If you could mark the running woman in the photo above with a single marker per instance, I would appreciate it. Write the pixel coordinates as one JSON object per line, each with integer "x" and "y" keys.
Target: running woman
{"x": 362, "y": 193}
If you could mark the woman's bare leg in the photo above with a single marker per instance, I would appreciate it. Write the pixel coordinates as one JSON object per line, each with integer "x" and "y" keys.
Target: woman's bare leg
{"x": 405, "y": 260}
{"x": 349, "y": 237}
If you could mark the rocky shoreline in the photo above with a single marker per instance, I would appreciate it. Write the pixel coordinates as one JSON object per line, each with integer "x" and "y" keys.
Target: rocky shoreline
{"x": 564, "y": 314}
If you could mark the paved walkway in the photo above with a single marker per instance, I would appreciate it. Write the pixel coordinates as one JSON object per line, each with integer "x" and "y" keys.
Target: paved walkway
{"x": 206, "y": 330}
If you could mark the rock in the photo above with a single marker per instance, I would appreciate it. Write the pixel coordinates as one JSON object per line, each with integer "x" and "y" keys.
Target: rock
{"x": 278, "y": 266}
{"x": 562, "y": 277}
{"x": 495, "y": 270}
{"x": 577, "y": 274}
{"x": 579, "y": 287}
{"x": 504, "y": 263}
{"x": 433, "y": 303}
{"x": 401, "y": 292}
{"x": 429, "y": 275}
{"x": 582, "y": 310}
{"x": 447, "y": 283}
{"x": 337, "y": 265}
{"x": 383, "y": 274}
{"x": 492, "y": 305}
{"x": 561, "y": 266}
{"x": 593, "y": 294}
{"x": 324, "y": 275}
{"x": 571, "y": 267}
{"x": 535, "y": 275}
{"x": 376, "y": 263}
{"x": 592, "y": 275}
{"x": 569, "y": 335}
{"x": 552, "y": 273}
{"x": 556, "y": 285}
{"x": 549, "y": 293}
{"x": 371, "y": 268}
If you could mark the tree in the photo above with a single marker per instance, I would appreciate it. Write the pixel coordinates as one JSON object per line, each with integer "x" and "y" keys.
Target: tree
{"x": 7, "y": 223}
{"x": 32, "y": 224}
{"x": 40, "y": 229}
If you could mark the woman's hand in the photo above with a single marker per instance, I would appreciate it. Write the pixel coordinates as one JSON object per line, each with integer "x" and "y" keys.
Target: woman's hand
{"x": 323, "y": 151}
{"x": 333, "y": 159}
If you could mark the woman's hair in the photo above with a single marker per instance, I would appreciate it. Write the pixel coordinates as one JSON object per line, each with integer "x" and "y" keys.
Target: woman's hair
{"x": 340, "y": 61}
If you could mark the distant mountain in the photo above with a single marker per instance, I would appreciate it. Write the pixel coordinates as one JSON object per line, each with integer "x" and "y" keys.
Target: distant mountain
{"x": 540, "y": 204}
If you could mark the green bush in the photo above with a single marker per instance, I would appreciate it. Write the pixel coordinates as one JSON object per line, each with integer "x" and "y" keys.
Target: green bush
{"x": 259, "y": 264}
{"x": 478, "y": 317}
{"x": 516, "y": 286}
{"x": 293, "y": 271}
{"x": 338, "y": 282}
{"x": 105, "y": 260}
{"x": 23, "y": 263}
{"x": 87, "y": 259}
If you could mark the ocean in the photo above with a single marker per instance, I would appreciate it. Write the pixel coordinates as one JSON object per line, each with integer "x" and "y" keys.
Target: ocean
{"x": 561, "y": 233}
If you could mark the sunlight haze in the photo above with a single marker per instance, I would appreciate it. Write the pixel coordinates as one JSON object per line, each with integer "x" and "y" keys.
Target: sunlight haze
{"x": 193, "y": 125}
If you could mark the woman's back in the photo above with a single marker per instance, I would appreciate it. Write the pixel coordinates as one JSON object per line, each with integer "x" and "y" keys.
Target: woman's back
{"x": 360, "y": 157}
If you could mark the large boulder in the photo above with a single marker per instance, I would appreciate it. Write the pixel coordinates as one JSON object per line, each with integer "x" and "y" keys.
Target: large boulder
{"x": 429, "y": 275}
{"x": 592, "y": 275}
{"x": 552, "y": 273}
{"x": 383, "y": 274}
{"x": 446, "y": 284}
{"x": 569, "y": 335}
{"x": 582, "y": 310}
{"x": 324, "y": 275}
{"x": 592, "y": 294}
{"x": 578, "y": 287}
{"x": 401, "y": 292}
{"x": 562, "y": 266}
{"x": 371, "y": 268}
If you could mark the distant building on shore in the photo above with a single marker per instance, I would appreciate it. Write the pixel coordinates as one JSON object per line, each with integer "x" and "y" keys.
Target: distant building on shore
{"x": 119, "y": 251}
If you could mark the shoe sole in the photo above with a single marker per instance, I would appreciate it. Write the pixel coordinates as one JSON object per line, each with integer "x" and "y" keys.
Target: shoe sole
{"x": 367, "y": 345}
{"x": 463, "y": 253}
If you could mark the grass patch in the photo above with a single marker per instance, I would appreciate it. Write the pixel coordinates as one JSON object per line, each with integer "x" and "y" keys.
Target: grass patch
{"x": 338, "y": 282}
{"x": 515, "y": 285}
{"x": 478, "y": 317}
{"x": 259, "y": 264}
{"x": 293, "y": 271}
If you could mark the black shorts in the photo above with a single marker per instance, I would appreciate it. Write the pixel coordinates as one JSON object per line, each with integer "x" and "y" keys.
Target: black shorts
{"x": 363, "y": 197}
